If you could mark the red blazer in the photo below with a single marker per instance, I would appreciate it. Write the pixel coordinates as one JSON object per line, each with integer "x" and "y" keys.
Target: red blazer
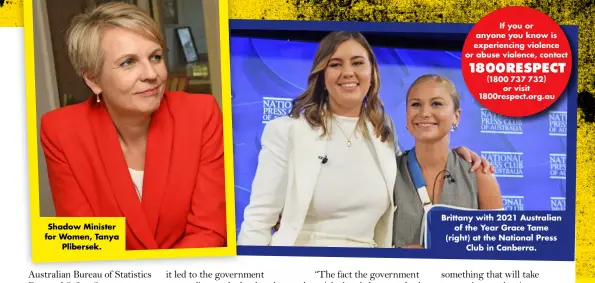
{"x": 183, "y": 196}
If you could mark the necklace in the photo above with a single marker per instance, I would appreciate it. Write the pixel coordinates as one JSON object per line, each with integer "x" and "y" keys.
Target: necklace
{"x": 350, "y": 136}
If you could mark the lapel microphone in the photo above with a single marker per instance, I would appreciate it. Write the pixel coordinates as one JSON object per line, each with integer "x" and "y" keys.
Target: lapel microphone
{"x": 449, "y": 178}
{"x": 323, "y": 159}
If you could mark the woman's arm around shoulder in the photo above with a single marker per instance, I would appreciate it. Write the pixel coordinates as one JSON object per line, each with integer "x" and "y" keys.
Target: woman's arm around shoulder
{"x": 68, "y": 198}
{"x": 206, "y": 222}
{"x": 269, "y": 187}
{"x": 488, "y": 191}
{"x": 474, "y": 158}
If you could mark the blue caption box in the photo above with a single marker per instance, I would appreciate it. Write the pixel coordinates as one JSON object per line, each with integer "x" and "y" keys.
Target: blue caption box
{"x": 493, "y": 234}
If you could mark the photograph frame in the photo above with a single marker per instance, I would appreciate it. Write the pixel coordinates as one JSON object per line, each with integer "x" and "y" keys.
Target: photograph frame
{"x": 187, "y": 44}
{"x": 413, "y": 35}
{"x": 48, "y": 249}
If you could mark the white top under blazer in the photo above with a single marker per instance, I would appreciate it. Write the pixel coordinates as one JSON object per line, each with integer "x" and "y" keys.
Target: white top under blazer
{"x": 345, "y": 202}
{"x": 350, "y": 195}
{"x": 137, "y": 179}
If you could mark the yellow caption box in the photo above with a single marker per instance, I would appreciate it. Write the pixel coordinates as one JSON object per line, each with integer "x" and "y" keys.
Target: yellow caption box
{"x": 76, "y": 238}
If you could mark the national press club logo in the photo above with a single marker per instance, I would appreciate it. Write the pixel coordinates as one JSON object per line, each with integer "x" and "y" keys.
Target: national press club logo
{"x": 557, "y": 166}
{"x": 493, "y": 123}
{"x": 274, "y": 107}
{"x": 558, "y": 123}
{"x": 506, "y": 164}
{"x": 558, "y": 203}
{"x": 513, "y": 202}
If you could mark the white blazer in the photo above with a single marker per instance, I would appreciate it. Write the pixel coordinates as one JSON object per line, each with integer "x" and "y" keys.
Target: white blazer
{"x": 287, "y": 172}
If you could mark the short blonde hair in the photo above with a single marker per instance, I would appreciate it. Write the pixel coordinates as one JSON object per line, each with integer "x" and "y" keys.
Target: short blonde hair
{"x": 441, "y": 80}
{"x": 83, "y": 37}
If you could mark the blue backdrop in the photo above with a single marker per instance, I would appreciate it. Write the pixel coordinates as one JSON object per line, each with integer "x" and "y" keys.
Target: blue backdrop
{"x": 529, "y": 153}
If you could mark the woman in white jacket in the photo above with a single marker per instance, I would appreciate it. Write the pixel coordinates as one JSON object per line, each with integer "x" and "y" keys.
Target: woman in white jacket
{"x": 329, "y": 167}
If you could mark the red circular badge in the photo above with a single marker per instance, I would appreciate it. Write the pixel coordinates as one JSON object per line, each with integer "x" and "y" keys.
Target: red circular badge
{"x": 516, "y": 61}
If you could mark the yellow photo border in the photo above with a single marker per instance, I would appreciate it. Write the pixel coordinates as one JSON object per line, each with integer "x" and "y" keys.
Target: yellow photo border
{"x": 41, "y": 251}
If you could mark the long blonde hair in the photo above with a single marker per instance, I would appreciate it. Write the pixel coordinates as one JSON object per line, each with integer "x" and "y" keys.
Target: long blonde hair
{"x": 312, "y": 103}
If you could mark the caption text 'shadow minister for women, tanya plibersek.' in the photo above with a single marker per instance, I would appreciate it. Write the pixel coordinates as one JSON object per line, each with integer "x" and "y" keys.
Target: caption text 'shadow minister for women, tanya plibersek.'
{"x": 135, "y": 150}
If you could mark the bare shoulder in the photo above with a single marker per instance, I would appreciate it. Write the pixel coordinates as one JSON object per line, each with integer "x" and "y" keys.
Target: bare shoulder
{"x": 489, "y": 193}
{"x": 487, "y": 179}
{"x": 483, "y": 179}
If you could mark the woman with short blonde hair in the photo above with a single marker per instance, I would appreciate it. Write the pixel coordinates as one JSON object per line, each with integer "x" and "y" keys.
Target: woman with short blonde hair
{"x": 432, "y": 173}
{"x": 83, "y": 38}
{"x": 134, "y": 149}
